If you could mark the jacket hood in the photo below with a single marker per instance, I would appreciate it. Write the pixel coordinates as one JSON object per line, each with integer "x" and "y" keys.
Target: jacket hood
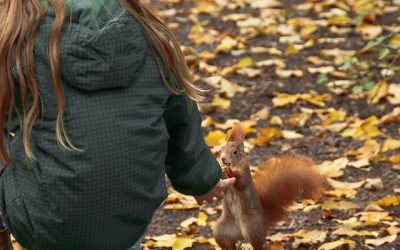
{"x": 102, "y": 46}
{"x": 94, "y": 14}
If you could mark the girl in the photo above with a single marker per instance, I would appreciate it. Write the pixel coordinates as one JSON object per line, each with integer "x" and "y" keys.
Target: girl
{"x": 100, "y": 101}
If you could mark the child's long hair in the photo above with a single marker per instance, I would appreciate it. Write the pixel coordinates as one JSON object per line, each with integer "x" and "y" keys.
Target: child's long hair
{"x": 19, "y": 22}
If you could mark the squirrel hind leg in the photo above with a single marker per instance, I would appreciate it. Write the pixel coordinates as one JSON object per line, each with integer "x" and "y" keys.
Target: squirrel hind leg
{"x": 254, "y": 232}
{"x": 226, "y": 234}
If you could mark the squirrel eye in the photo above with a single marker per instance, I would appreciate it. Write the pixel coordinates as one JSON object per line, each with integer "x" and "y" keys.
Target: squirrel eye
{"x": 235, "y": 152}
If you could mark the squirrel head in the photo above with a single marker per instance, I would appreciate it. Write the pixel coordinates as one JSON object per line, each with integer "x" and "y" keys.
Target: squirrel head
{"x": 233, "y": 151}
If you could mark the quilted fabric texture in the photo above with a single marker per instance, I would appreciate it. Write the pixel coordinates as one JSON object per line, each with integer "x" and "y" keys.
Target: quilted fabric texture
{"x": 130, "y": 129}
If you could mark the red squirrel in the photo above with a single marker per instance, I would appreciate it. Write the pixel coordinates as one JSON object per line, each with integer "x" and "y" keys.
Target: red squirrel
{"x": 253, "y": 204}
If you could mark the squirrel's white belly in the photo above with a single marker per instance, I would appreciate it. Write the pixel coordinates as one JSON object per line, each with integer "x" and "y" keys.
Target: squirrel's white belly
{"x": 236, "y": 209}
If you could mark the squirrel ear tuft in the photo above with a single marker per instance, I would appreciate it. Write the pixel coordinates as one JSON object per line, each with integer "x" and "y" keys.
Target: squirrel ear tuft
{"x": 237, "y": 134}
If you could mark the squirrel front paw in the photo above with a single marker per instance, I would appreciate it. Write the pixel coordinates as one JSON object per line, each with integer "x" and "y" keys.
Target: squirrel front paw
{"x": 226, "y": 172}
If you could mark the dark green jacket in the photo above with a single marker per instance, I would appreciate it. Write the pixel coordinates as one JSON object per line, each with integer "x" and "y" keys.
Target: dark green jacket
{"x": 131, "y": 129}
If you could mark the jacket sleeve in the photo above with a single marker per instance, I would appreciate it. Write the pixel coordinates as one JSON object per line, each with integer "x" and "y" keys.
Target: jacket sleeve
{"x": 190, "y": 165}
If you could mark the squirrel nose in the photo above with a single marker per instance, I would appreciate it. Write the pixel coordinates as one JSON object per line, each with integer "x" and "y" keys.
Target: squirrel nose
{"x": 223, "y": 159}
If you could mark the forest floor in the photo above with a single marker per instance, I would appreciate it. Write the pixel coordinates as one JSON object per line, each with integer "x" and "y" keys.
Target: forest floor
{"x": 314, "y": 77}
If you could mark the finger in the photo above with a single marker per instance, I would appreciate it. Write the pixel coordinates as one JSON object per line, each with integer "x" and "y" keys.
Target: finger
{"x": 226, "y": 182}
{"x": 220, "y": 195}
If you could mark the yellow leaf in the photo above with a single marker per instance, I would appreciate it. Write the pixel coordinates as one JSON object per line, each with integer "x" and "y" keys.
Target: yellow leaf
{"x": 202, "y": 219}
{"x": 370, "y": 149}
{"x": 393, "y": 230}
{"x": 379, "y": 91}
{"x": 166, "y": 240}
{"x": 394, "y": 92}
{"x": 182, "y": 242}
{"x": 242, "y": 63}
{"x": 345, "y": 185}
{"x": 395, "y": 159}
{"x": 340, "y": 205}
{"x": 249, "y": 72}
{"x": 307, "y": 30}
{"x": 276, "y": 120}
{"x": 308, "y": 237}
{"x": 279, "y": 237}
{"x": 381, "y": 241}
{"x": 361, "y": 6}
{"x": 286, "y": 73}
{"x": 345, "y": 231}
{"x": 245, "y": 62}
{"x": 389, "y": 200}
{"x": 369, "y": 31}
{"x": 262, "y": 114}
{"x": 188, "y": 222}
{"x": 340, "y": 20}
{"x": 336, "y": 244}
{"x": 283, "y": 99}
{"x": 349, "y": 223}
{"x": 227, "y": 44}
{"x": 247, "y": 125}
{"x": 334, "y": 168}
{"x": 298, "y": 119}
{"x": 374, "y": 183}
{"x": 368, "y": 233}
{"x": 390, "y": 144}
{"x": 315, "y": 99}
{"x": 362, "y": 163}
{"x": 395, "y": 41}
{"x": 265, "y": 135}
{"x": 291, "y": 50}
{"x": 215, "y": 138}
{"x": 290, "y": 135}
{"x": 178, "y": 201}
{"x": 373, "y": 218}
{"x": 221, "y": 102}
{"x": 342, "y": 192}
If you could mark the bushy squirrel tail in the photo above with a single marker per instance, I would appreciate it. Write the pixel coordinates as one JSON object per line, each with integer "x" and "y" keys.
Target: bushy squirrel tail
{"x": 284, "y": 179}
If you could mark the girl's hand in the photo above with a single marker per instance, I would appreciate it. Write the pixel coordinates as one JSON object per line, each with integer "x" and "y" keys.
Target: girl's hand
{"x": 216, "y": 192}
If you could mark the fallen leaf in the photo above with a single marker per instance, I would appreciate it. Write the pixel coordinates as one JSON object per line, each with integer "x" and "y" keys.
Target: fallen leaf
{"x": 304, "y": 237}
{"x": 374, "y": 183}
{"x": 286, "y": 73}
{"x": 276, "y": 120}
{"x": 373, "y": 218}
{"x": 202, "y": 219}
{"x": 340, "y": 20}
{"x": 334, "y": 168}
{"x": 160, "y": 241}
{"x": 362, "y": 163}
{"x": 290, "y": 135}
{"x": 345, "y": 185}
{"x": 181, "y": 243}
{"x": 350, "y": 244}
{"x": 394, "y": 93}
{"x": 395, "y": 41}
{"x": 265, "y": 135}
{"x": 249, "y": 72}
{"x": 379, "y": 91}
{"x": 389, "y": 200}
{"x": 215, "y": 138}
{"x": 381, "y": 241}
{"x": 262, "y": 114}
{"x": 369, "y": 31}
{"x": 221, "y": 102}
{"x": 340, "y": 205}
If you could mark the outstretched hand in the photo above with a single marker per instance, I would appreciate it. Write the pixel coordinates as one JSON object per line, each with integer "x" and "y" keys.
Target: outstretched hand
{"x": 216, "y": 192}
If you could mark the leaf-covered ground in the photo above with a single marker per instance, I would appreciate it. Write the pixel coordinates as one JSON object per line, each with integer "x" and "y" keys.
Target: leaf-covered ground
{"x": 315, "y": 77}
